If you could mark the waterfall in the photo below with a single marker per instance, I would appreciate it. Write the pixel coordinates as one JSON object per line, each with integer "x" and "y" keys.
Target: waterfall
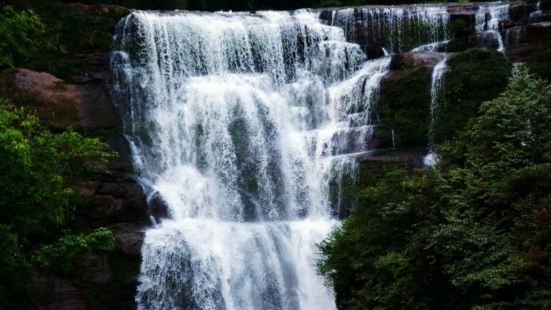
{"x": 242, "y": 123}
{"x": 395, "y": 29}
{"x": 436, "y": 86}
{"x": 488, "y": 18}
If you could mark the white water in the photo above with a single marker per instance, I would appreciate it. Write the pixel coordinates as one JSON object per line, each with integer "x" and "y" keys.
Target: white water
{"x": 233, "y": 119}
{"x": 436, "y": 86}
{"x": 397, "y": 28}
{"x": 488, "y": 18}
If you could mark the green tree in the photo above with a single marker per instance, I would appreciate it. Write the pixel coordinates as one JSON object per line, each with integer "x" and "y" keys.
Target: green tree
{"x": 20, "y": 36}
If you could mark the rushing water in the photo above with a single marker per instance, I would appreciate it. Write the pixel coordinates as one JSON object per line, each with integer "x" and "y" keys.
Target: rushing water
{"x": 234, "y": 119}
{"x": 436, "y": 87}
{"x": 488, "y": 20}
{"x": 394, "y": 28}
{"x": 245, "y": 125}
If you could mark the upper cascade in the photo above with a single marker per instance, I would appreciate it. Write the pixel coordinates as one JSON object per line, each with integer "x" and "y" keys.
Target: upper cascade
{"x": 394, "y": 29}
{"x": 238, "y": 97}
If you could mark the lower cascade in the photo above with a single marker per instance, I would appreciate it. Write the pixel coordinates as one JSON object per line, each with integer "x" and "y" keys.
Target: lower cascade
{"x": 245, "y": 124}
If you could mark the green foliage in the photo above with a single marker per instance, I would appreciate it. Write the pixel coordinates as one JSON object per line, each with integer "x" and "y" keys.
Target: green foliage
{"x": 73, "y": 31}
{"x": 407, "y": 112}
{"x": 473, "y": 77}
{"x": 69, "y": 251}
{"x": 474, "y": 233}
{"x": 36, "y": 200}
{"x": 38, "y": 167}
{"x": 20, "y": 36}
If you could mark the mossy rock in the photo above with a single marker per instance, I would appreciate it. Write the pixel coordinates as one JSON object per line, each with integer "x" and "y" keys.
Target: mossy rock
{"x": 404, "y": 105}
{"x": 474, "y": 76}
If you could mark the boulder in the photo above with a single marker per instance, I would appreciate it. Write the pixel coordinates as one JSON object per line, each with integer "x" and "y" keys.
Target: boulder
{"x": 62, "y": 105}
{"x": 414, "y": 59}
{"x": 406, "y": 158}
{"x": 158, "y": 207}
{"x": 520, "y": 11}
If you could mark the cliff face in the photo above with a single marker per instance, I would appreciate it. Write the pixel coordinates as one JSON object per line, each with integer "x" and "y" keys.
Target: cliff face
{"x": 80, "y": 98}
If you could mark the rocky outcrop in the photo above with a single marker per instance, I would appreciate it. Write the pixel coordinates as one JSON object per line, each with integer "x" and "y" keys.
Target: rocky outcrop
{"x": 116, "y": 197}
{"x": 116, "y": 201}
{"x": 377, "y": 161}
{"x": 63, "y": 105}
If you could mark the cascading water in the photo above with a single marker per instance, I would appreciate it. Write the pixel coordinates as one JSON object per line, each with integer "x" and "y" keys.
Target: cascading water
{"x": 240, "y": 121}
{"x": 436, "y": 86}
{"x": 488, "y": 18}
{"x": 395, "y": 29}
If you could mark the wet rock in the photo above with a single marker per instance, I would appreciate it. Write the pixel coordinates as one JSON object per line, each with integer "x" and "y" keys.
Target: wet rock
{"x": 538, "y": 31}
{"x": 158, "y": 207}
{"x": 415, "y": 59}
{"x": 112, "y": 199}
{"x": 87, "y": 189}
{"x": 119, "y": 144}
{"x": 484, "y": 39}
{"x": 406, "y": 158}
{"x": 96, "y": 270}
{"x": 520, "y": 11}
{"x": 540, "y": 16}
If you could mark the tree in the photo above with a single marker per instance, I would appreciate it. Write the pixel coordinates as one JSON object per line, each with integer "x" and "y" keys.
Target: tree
{"x": 20, "y": 36}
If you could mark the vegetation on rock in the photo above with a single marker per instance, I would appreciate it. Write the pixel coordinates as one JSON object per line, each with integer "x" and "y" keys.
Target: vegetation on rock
{"x": 37, "y": 204}
{"x": 472, "y": 234}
